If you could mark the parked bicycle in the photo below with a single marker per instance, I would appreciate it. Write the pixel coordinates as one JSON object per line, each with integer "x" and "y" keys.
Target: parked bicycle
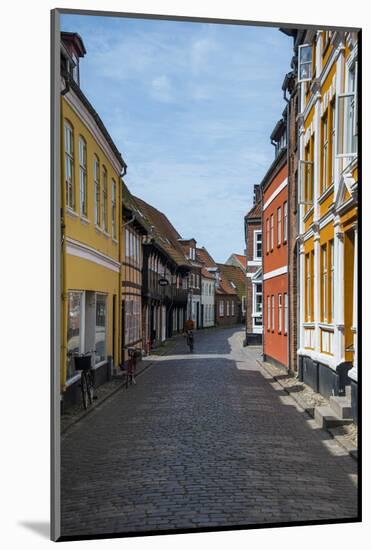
{"x": 83, "y": 363}
{"x": 190, "y": 340}
{"x": 130, "y": 366}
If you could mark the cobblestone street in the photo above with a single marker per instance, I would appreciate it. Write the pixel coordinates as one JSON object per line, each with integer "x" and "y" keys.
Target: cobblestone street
{"x": 202, "y": 440}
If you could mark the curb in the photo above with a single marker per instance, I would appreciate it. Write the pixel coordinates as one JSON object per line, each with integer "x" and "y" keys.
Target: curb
{"x": 120, "y": 386}
{"x": 341, "y": 440}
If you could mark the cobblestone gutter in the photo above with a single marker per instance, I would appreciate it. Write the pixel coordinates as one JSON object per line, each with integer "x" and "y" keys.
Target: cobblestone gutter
{"x": 308, "y": 399}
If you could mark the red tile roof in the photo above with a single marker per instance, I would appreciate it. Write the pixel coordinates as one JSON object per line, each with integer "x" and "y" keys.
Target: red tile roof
{"x": 255, "y": 211}
{"x": 232, "y": 274}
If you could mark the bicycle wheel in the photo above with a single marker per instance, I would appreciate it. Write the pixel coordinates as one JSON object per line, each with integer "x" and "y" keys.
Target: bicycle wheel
{"x": 84, "y": 390}
{"x": 90, "y": 388}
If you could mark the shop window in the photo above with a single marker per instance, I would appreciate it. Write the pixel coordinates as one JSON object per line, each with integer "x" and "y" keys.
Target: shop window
{"x": 100, "y": 328}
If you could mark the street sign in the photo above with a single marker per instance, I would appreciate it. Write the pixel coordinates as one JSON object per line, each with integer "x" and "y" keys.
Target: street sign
{"x": 163, "y": 282}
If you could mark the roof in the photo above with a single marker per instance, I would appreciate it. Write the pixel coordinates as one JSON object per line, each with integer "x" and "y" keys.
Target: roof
{"x": 255, "y": 211}
{"x": 241, "y": 258}
{"x": 164, "y": 233}
{"x": 232, "y": 274}
{"x": 205, "y": 273}
{"x": 204, "y": 257}
{"x": 131, "y": 208}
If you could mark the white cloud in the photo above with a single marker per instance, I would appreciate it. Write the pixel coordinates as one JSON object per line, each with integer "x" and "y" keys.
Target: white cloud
{"x": 162, "y": 89}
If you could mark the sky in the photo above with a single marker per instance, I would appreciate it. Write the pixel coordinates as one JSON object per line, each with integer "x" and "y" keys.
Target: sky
{"x": 191, "y": 107}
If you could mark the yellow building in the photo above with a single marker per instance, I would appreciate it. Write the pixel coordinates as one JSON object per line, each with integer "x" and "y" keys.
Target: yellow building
{"x": 91, "y": 170}
{"x": 328, "y": 182}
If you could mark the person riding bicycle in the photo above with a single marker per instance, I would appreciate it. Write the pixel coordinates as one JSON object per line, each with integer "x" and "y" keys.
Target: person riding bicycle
{"x": 190, "y": 339}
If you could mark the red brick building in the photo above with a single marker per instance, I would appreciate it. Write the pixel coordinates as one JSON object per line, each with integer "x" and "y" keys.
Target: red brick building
{"x": 254, "y": 281}
{"x": 275, "y": 252}
{"x": 227, "y": 302}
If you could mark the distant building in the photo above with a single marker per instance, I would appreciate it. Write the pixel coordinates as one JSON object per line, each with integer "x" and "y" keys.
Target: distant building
{"x": 208, "y": 281}
{"x": 254, "y": 280}
{"x": 194, "y": 281}
{"x": 238, "y": 260}
{"x": 229, "y": 288}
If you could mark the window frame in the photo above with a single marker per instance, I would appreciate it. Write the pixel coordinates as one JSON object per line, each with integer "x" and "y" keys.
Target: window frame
{"x": 97, "y": 191}
{"x": 286, "y": 313}
{"x": 272, "y": 231}
{"x": 279, "y": 226}
{"x": 104, "y": 198}
{"x": 285, "y": 222}
{"x": 69, "y": 152}
{"x": 301, "y": 63}
{"x": 279, "y": 307}
{"x": 83, "y": 167}
{"x": 258, "y": 233}
{"x": 114, "y": 208}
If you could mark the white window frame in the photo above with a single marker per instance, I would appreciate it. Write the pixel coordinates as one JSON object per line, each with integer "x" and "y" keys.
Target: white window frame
{"x": 285, "y": 222}
{"x": 324, "y": 289}
{"x": 269, "y": 313}
{"x": 69, "y": 160}
{"x": 324, "y": 152}
{"x": 286, "y": 313}
{"x": 97, "y": 199}
{"x": 332, "y": 268}
{"x": 83, "y": 177}
{"x": 104, "y": 198}
{"x": 227, "y": 308}
{"x": 279, "y": 226}
{"x": 279, "y": 313}
{"x": 272, "y": 231}
{"x": 272, "y": 308}
{"x": 305, "y": 175}
{"x": 243, "y": 304}
{"x": 232, "y": 308}
{"x": 267, "y": 231}
{"x": 113, "y": 208}
{"x": 342, "y": 116}
{"x": 302, "y": 63}
{"x": 221, "y": 308}
{"x": 258, "y": 234}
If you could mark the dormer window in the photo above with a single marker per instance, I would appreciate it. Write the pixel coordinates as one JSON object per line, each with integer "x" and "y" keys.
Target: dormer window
{"x": 75, "y": 69}
{"x": 192, "y": 253}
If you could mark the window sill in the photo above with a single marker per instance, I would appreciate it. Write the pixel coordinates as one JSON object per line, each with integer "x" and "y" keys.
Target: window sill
{"x": 326, "y": 193}
{"x": 106, "y": 234}
{"x": 98, "y": 229}
{"x": 71, "y": 212}
{"x": 84, "y": 220}
{"x": 115, "y": 240}
{"x": 308, "y": 214}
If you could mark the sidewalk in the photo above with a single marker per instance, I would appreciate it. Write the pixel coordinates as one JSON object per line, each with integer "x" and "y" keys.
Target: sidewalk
{"x": 308, "y": 399}
{"x": 76, "y": 413}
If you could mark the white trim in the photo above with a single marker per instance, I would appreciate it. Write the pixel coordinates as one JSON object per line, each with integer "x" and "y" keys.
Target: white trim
{"x": 256, "y": 257}
{"x": 275, "y": 273}
{"x": 254, "y": 263}
{"x": 275, "y": 193}
{"x": 75, "y": 248}
{"x": 82, "y": 112}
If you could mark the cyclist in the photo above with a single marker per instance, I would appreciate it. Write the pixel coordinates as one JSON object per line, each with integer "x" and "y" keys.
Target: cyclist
{"x": 190, "y": 339}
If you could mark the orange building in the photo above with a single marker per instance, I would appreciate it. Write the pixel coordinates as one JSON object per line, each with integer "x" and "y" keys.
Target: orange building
{"x": 275, "y": 253}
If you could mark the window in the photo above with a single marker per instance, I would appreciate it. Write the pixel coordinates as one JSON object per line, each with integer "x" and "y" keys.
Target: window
{"x": 69, "y": 175}
{"x": 347, "y": 117}
{"x": 83, "y": 189}
{"x": 272, "y": 305}
{"x": 227, "y": 308}
{"x": 105, "y": 197}
{"x": 232, "y": 308}
{"x": 280, "y": 313}
{"x": 257, "y": 245}
{"x": 331, "y": 291}
{"x": 285, "y": 226}
{"x": 132, "y": 319}
{"x": 100, "y": 328}
{"x": 267, "y": 234}
{"x": 286, "y": 318}
{"x": 269, "y": 313}
{"x": 324, "y": 151}
{"x": 221, "y": 308}
{"x": 74, "y": 343}
{"x": 258, "y": 297}
{"x": 305, "y": 63}
{"x": 309, "y": 263}
{"x": 324, "y": 282}
{"x": 243, "y": 304}
{"x": 97, "y": 190}
{"x": 306, "y": 176}
{"x": 272, "y": 231}
{"x": 279, "y": 226}
{"x": 113, "y": 209}
{"x": 332, "y": 155}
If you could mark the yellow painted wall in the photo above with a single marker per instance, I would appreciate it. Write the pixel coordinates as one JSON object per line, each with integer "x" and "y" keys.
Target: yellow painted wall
{"x": 76, "y": 228}
{"x": 325, "y": 205}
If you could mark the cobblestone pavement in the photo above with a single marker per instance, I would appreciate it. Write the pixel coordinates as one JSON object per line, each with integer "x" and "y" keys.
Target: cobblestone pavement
{"x": 202, "y": 440}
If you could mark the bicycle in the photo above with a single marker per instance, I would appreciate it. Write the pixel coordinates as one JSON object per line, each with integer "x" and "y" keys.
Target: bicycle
{"x": 87, "y": 378}
{"x": 190, "y": 340}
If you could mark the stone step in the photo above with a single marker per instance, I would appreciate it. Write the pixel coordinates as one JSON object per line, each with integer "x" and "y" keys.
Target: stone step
{"x": 341, "y": 406}
{"x": 325, "y": 417}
